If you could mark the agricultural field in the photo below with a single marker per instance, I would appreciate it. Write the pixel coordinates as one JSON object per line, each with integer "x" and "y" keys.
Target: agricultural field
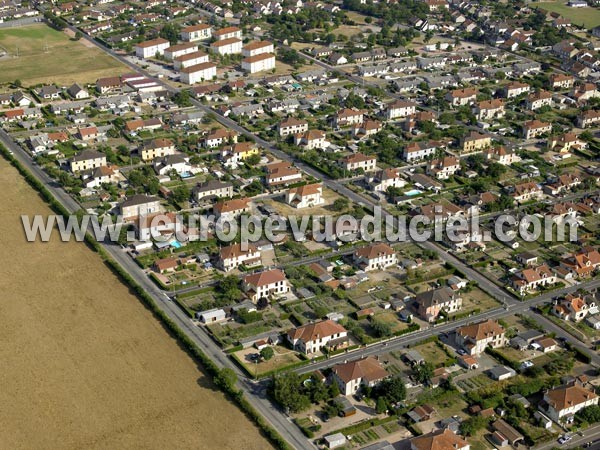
{"x": 85, "y": 365}
{"x": 588, "y": 17}
{"x": 39, "y": 54}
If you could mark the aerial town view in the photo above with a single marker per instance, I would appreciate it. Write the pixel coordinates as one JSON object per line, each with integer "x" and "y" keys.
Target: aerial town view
{"x": 300, "y": 224}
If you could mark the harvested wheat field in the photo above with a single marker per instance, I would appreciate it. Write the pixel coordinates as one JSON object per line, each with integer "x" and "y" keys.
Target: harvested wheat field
{"x": 84, "y": 364}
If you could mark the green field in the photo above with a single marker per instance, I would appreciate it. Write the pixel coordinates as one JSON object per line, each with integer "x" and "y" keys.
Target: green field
{"x": 39, "y": 54}
{"x": 588, "y": 17}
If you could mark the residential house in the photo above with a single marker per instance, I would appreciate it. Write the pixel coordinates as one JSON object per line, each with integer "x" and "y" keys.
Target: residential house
{"x": 229, "y": 209}
{"x": 443, "y": 168}
{"x": 530, "y": 279}
{"x": 385, "y": 179}
{"x": 357, "y": 161}
{"x": 366, "y": 128}
{"x": 139, "y": 205}
{"x": 235, "y": 255}
{"x": 582, "y": 263}
{"x": 538, "y": 100}
{"x": 431, "y": 303}
{"x": 231, "y": 46}
{"x": 474, "y": 339}
{"x": 503, "y": 156}
{"x": 199, "y": 32}
{"x": 292, "y": 125}
{"x": 219, "y": 137}
{"x": 346, "y": 117}
{"x": 175, "y": 51}
{"x": 461, "y": 97}
{"x": 156, "y": 148}
{"x": 561, "y": 81}
{"x": 400, "y": 109}
{"x": 375, "y": 257}
{"x": 197, "y": 73}
{"x": 489, "y": 109}
{"x": 353, "y": 375}
{"x": 212, "y": 189}
{"x": 259, "y": 63}
{"x": 524, "y": 192}
{"x": 561, "y": 403}
{"x": 475, "y": 142}
{"x": 306, "y": 196}
{"x": 310, "y": 338}
{"x": 311, "y": 140}
{"x": 282, "y": 173}
{"x": 534, "y": 128}
{"x": 439, "y": 440}
{"x": 87, "y": 160}
{"x": 417, "y": 151}
{"x": 516, "y": 88}
{"x": 151, "y": 48}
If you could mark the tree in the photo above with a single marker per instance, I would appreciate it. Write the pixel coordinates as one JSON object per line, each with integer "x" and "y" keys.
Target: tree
{"x": 288, "y": 392}
{"x": 17, "y": 83}
{"x": 181, "y": 193}
{"x": 226, "y": 379}
{"x": 472, "y": 425}
{"x": 591, "y": 414}
{"x": 381, "y": 329}
{"x": 182, "y": 99}
{"x": 381, "y": 405}
{"x": 267, "y": 353}
{"x": 170, "y": 32}
{"x": 340, "y": 204}
{"x": 423, "y": 372}
{"x": 393, "y": 389}
{"x": 78, "y": 35}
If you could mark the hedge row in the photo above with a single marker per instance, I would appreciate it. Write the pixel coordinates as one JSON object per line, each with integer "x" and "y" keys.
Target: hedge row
{"x": 211, "y": 368}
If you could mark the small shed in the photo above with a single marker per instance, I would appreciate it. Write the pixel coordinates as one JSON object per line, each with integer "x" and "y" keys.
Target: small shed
{"x": 347, "y": 408}
{"x": 335, "y": 440}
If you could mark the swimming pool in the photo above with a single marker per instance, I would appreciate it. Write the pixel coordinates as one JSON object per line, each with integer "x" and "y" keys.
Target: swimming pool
{"x": 413, "y": 192}
{"x": 176, "y": 244}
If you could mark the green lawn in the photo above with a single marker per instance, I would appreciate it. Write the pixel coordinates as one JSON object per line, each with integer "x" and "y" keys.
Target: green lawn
{"x": 39, "y": 54}
{"x": 588, "y": 17}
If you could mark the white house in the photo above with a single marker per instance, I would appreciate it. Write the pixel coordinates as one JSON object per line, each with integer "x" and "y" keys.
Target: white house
{"x": 564, "y": 401}
{"x": 200, "y": 72}
{"x": 233, "y": 256}
{"x": 259, "y": 62}
{"x": 375, "y": 257}
{"x": 312, "y": 337}
{"x": 264, "y": 284}
{"x": 351, "y": 376}
{"x": 231, "y": 46}
{"x": 257, "y": 47}
{"x": 199, "y": 32}
{"x": 305, "y": 196}
{"x": 475, "y": 338}
{"x": 149, "y": 49}
{"x": 400, "y": 108}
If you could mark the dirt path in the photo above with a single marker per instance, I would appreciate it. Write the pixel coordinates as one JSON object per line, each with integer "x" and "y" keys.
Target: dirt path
{"x": 84, "y": 365}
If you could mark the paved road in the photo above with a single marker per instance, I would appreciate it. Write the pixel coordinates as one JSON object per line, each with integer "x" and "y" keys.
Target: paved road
{"x": 592, "y": 434}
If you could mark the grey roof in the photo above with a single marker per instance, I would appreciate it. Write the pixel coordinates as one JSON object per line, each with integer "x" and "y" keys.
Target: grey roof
{"x": 139, "y": 199}
{"x": 211, "y": 185}
{"x": 498, "y": 371}
{"x": 88, "y": 154}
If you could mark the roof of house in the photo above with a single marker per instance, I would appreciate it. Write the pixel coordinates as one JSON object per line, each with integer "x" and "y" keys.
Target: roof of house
{"x": 435, "y": 297}
{"x": 316, "y": 330}
{"x": 481, "y": 330}
{"x": 236, "y": 204}
{"x": 567, "y": 396}
{"x": 368, "y": 369}
{"x": 198, "y": 67}
{"x": 226, "y": 30}
{"x": 225, "y": 42}
{"x": 439, "y": 440}
{"x": 198, "y": 27}
{"x": 138, "y": 199}
{"x": 265, "y": 278}
{"x": 374, "y": 251}
{"x": 152, "y": 43}
{"x": 259, "y": 57}
{"x": 254, "y": 45}
{"x": 236, "y": 250}
{"x": 307, "y": 189}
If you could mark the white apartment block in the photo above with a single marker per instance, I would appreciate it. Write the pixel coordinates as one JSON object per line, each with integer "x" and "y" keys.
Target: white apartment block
{"x": 199, "y": 72}
{"x": 257, "y": 47}
{"x": 231, "y": 46}
{"x": 259, "y": 63}
{"x": 198, "y": 32}
{"x": 149, "y": 49}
